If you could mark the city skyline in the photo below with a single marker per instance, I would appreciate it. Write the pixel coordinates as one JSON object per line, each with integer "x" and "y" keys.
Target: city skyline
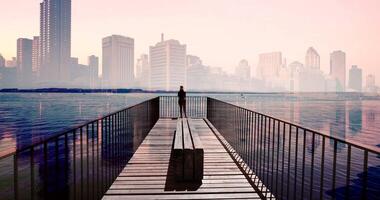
{"x": 247, "y": 45}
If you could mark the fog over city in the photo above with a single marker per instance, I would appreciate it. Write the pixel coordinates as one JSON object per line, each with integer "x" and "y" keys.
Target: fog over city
{"x": 241, "y": 45}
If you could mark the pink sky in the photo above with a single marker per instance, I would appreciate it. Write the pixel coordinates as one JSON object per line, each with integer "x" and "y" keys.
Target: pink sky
{"x": 221, "y": 32}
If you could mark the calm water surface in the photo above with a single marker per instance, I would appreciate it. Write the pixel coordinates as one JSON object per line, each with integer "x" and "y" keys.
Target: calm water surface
{"x": 28, "y": 117}
{"x": 351, "y": 117}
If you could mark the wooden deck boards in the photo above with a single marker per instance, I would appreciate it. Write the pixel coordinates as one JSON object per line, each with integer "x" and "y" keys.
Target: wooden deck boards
{"x": 148, "y": 175}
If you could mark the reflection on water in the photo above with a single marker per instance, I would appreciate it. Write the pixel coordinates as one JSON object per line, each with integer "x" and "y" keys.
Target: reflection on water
{"x": 349, "y": 117}
{"x": 355, "y": 117}
{"x": 82, "y": 163}
{"x": 352, "y": 119}
{"x": 30, "y": 117}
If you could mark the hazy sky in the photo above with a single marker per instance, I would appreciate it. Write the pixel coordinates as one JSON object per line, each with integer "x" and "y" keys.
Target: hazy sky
{"x": 221, "y": 32}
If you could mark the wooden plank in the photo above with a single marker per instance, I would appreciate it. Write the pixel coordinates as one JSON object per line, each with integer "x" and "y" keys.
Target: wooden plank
{"x": 188, "y": 170}
{"x": 178, "y": 153}
{"x": 178, "y": 140}
{"x": 198, "y": 152}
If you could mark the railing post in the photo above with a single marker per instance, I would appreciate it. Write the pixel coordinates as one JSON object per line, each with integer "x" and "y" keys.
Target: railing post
{"x": 32, "y": 172}
{"x": 365, "y": 175}
{"x": 15, "y": 176}
{"x": 322, "y": 168}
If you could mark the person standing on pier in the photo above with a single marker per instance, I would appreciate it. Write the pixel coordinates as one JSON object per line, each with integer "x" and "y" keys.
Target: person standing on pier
{"x": 182, "y": 101}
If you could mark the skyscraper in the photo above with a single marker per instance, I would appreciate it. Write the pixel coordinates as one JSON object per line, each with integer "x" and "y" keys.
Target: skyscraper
{"x": 355, "y": 79}
{"x": 269, "y": 65}
{"x": 168, "y": 65}
{"x": 24, "y": 62}
{"x": 338, "y": 69}
{"x": 36, "y": 56}
{"x": 312, "y": 59}
{"x": 93, "y": 65}
{"x": 55, "y": 40}
{"x": 118, "y": 61}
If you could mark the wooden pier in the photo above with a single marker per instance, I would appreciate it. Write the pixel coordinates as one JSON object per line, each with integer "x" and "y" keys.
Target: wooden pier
{"x": 149, "y": 174}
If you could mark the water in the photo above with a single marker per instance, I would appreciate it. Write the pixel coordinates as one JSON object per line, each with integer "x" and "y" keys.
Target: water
{"x": 29, "y": 117}
{"x": 352, "y": 117}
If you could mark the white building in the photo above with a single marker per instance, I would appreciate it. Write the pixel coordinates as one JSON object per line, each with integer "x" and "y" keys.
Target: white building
{"x": 311, "y": 80}
{"x": 338, "y": 69}
{"x": 118, "y": 61}
{"x": 168, "y": 65}
{"x": 269, "y": 65}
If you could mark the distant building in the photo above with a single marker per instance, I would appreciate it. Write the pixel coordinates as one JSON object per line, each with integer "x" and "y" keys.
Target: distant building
{"x": 312, "y": 59}
{"x": 83, "y": 76}
{"x": 355, "y": 79}
{"x": 243, "y": 70}
{"x": 143, "y": 71}
{"x": 193, "y": 60}
{"x": 2, "y": 61}
{"x": 55, "y": 40}
{"x": 73, "y": 68}
{"x": 269, "y": 65}
{"x": 93, "y": 65}
{"x": 118, "y": 61}
{"x": 198, "y": 75}
{"x": 168, "y": 65}
{"x": 310, "y": 80}
{"x": 11, "y": 63}
{"x": 330, "y": 84}
{"x": 8, "y": 77}
{"x": 294, "y": 70}
{"x": 371, "y": 84}
{"x": 24, "y": 62}
{"x": 338, "y": 69}
{"x": 243, "y": 76}
{"x": 36, "y": 56}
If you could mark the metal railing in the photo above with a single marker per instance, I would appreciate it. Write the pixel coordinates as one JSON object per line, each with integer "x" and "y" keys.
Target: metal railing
{"x": 195, "y": 106}
{"x": 80, "y": 163}
{"x": 295, "y": 162}
{"x": 292, "y": 161}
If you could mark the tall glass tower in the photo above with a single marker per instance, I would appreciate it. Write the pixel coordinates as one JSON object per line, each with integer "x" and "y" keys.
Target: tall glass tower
{"x": 55, "y": 39}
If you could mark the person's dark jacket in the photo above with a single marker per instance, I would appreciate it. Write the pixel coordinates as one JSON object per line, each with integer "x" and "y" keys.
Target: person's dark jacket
{"x": 181, "y": 97}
